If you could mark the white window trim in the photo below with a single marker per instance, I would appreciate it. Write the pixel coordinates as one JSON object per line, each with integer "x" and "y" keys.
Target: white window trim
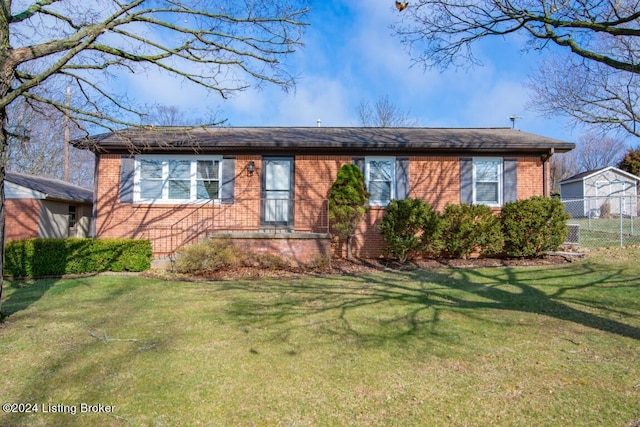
{"x": 500, "y": 161}
{"x": 393, "y": 177}
{"x": 165, "y": 171}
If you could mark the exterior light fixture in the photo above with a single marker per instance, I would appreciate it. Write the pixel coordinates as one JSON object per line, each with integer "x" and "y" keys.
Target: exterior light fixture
{"x": 251, "y": 167}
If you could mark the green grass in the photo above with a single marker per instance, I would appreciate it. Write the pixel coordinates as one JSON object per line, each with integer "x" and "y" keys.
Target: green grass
{"x": 602, "y": 232}
{"x": 536, "y": 346}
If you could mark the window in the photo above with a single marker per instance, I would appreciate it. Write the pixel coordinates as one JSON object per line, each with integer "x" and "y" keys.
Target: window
{"x": 150, "y": 179}
{"x": 176, "y": 178}
{"x": 72, "y": 216}
{"x": 380, "y": 179}
{"x": 207, "y": 179}
{"x": 487, "y": 181}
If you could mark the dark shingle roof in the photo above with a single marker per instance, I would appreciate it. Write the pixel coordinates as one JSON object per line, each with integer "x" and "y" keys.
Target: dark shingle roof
{"x": 53, "y": 188}
{"x": 325, "y": 140}
{"x": 583, "y": 175}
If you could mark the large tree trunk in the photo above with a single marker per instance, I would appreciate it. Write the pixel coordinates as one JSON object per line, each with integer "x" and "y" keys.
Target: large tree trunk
{"x": 7, "y": 73}
{"x": 3, "y": 151}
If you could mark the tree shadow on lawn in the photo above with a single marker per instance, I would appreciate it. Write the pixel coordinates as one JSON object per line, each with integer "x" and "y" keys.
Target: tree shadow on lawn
{"x": 23, "y": 294}
{"x": 426, "y": 294}
{"x": 82, "y": 358}
{"x": 20, "y": 294}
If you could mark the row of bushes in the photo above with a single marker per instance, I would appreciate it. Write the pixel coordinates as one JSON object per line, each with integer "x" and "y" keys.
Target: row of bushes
{"x": 525, "y": 228}
{"x": 55, "y": 257}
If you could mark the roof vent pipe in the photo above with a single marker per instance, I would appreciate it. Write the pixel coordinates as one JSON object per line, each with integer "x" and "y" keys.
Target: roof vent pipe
{"x": 319, "y": 122}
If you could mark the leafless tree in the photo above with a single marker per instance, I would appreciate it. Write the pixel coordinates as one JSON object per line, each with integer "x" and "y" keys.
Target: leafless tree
{"x": 172, "y": 115}
{"x": 591, "y": 94}
{"x": 36, "y": 145}
{"x": 603, "y": 32}
{"x": 383, "y": 113}
{"x": 595, "y": 151}
{"x": 596, "y": 80}
{"x": 223, "y": 47}
{"x": 562, "y": 166}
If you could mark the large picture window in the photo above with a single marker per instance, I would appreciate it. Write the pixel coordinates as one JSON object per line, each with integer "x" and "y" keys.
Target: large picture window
{"x": 177, "y": 179}
{"x": 487, "y": 181}
{"x": 380, "y": 179}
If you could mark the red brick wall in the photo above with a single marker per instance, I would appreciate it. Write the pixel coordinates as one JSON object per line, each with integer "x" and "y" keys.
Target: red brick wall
{"x": 437, "y": 181}
{"x": 530, "y": 182}
{"x": 22, "y": 218}
{"x": 154, "y": 222}
{"x": 434, "y": 179}
{"x": 298, "y": 251}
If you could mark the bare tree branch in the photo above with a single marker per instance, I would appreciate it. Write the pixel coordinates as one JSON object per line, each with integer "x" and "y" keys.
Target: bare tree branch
{"x": 444, "y": 31}
{"x": 210, "y": 44}
{"x": 590, "y": 94}
{"x": 383, "y": 113}
{"x": 220, "y": 46}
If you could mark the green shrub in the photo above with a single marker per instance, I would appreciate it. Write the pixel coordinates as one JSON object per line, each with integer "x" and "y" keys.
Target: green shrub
{"x": 631, "y": 161}
{"x": 467, "y": 229}
{"x": 534, "y": 226}
{"x": 55, "y": 257}
{"x": 406, "y": 225}
{"x": 208, "y": 256}
{"x": 432, "y": 243}
{"x": 348, "y": 199}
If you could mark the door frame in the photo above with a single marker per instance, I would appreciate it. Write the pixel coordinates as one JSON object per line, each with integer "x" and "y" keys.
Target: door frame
{"x": 263, "y": 192}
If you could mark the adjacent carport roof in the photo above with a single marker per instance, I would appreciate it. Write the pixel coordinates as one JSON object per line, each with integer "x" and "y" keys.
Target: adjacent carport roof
{"x": 51, "y": 188}
{"x": 326, "y": 140}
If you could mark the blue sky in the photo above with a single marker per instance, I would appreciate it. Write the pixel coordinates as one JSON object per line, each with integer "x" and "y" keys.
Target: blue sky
{"x": 350, "y": 55}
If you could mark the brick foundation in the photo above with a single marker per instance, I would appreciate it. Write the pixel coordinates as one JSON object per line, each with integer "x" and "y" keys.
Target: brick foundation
{"x": 299, "y": 248}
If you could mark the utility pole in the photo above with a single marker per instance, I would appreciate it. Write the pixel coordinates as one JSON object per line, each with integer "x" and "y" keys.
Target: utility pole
{"x": 67, "y": 136}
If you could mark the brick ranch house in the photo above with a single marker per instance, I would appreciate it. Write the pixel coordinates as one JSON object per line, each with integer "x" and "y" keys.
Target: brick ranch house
{"x": 267, "y": 187}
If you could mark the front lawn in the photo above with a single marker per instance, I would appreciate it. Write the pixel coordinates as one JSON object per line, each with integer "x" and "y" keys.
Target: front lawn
{"x": 543, "y": 346}
{"x": 603, "y": 232}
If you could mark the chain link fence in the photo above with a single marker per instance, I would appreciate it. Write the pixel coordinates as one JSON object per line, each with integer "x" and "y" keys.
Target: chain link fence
{"x": 603, "y": 221}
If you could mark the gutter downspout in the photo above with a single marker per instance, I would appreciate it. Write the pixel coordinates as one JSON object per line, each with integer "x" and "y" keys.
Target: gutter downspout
{"x": 545, "y": 172}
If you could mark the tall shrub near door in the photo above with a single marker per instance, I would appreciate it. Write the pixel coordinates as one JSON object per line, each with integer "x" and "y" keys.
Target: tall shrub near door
{"x": 348, "y": 199}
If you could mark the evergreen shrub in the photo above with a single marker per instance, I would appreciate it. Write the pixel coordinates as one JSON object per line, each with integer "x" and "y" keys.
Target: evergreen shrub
{"x": 469, "y": 229}
{"x": 56, "y": 257}
{"x": 348, "y": 198}
{"x": 407, "y": 225}
{"x": 534, "y": 226}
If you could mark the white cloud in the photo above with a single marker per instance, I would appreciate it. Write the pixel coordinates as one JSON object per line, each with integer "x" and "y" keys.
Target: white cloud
{"x": 318, "y": 98}
{"x": 350, "y": 55}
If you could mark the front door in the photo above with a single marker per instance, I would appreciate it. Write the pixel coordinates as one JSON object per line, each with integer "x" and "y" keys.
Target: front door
{"x": 277, "y": 191}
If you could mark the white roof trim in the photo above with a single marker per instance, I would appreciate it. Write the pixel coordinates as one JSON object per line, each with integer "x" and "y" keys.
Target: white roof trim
{"x": 15, "y": 191}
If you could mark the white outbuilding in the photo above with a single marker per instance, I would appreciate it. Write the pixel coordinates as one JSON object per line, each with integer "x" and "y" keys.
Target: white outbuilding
{"x": 599, "y": 192}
